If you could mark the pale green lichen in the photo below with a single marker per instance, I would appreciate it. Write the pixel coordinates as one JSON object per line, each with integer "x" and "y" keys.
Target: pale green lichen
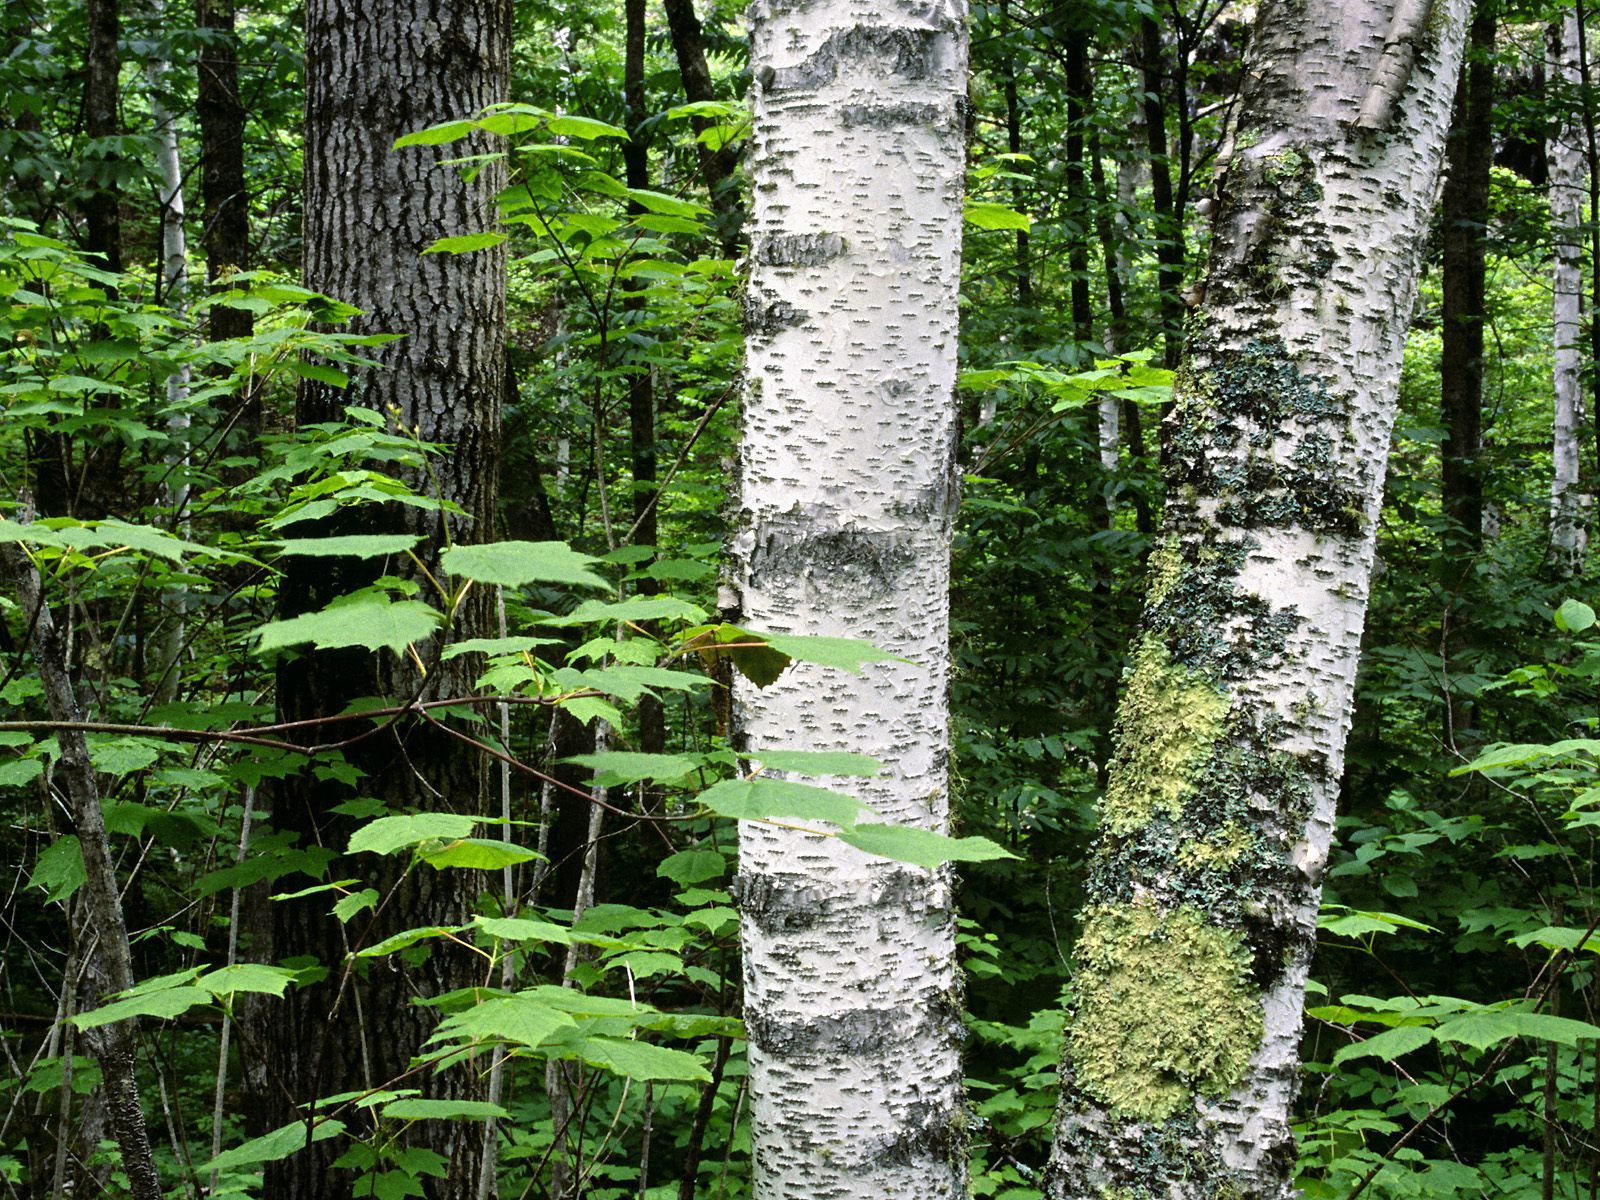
{"x": 1219, "y": 851}
{"x": 1166, "y": 564}
{"x": 1169, "y": 719}
{"x": 1165, "y": 1009}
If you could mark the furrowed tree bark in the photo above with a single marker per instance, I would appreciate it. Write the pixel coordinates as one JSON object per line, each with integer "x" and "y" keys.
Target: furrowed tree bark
{"x": 1464, "y": 214}
{"x": 377, "y": 69}
{"x": 1181, "y": 1058}
{"x": 102, "y": 65}
{"x": 108, "y": 964}
{"x": 1165, "y": 223}
{"x": 1569, "y": 535}
{"x": 224, "y": 195}
{"x": 847, "y": 491}
{"x": 688, "y": 44}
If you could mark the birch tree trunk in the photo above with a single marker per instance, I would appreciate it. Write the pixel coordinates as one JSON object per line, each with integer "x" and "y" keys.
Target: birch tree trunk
{"x": 1181, "y": 1058}
{"x": 847, "y": 492}
{"x": 1568, "y": 509}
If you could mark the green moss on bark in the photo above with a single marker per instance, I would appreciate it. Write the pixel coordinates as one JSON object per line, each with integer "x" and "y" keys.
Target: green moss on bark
{"x": 1166, "y": 1010}
{"x": 1169, "y": 719}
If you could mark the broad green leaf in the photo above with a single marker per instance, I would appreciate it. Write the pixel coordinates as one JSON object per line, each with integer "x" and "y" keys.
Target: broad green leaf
{"x": 388, "y": 834}
{"x": 367, "y": 620}
{"x": 497, "y": 646}
{"x": 1480, "y": 1029}
{"x": 513, "y": 564}
{"x": 1388, "y": 1045}
{"x": 983, "y": 215}
{"x": 464, "y": 243}
{"x": 1574, "y": 616}
{"x": 760, "y": 799}
{"x": 59, "y": 869}
{"x": 637, "y": 608}
{"x": 247, "y": 977}
{"x": 478, "y": 854}
{"x": 437, "y": 135}
{"x": 848, "y": 654}
{"x": 1553, "y": 937}
{"x": 123, "y": 755}
{"x": 692, "y": 866}
{"x": 18, "y": 771}
{"x": 271, "y": 1147}
{"x": 406, "y": 938}
{"x": 525, "y": 1020}
{"x": 169, "y": 1002}
{"x": 585, "y": 128}
{"x": 921, "y": 847}
{"x": 347, "y": 907}
{"x": 1357, "y": 924}
{"x": 622, "y": 767}
{"x": 641, "y": 1060}
{"x": 357, "y": 545}
{"x": 1547, "y": 1028}
{"x": 419, "y": 1109}
{"x": 522, "y": 929}
{"x": 816, "y": 762}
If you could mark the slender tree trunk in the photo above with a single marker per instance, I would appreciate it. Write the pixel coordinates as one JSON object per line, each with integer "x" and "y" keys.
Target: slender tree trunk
{"x": 1569, "y": 534}
{"x": 107, "y": 962}
{"x": 1464, "y": 211}
{"x": 848, "y": 490}
{"x": 1168, "y": 230}
{"x": 716, "y": 165}
{"x": 1182, "y": 1054}
{"x": 377, "y": 69}
{"x": 102, "y": 65}
{"x": 1024, "y": 269}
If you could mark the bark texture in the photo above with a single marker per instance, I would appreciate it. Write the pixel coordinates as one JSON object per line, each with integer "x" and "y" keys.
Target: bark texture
{"x": 1568, "y": 504}
{"x": 375, "y": 71}
{"x": 225, "y": 200}
{"x": 847, "y": 492}
{"x": 1181, "y": 1058}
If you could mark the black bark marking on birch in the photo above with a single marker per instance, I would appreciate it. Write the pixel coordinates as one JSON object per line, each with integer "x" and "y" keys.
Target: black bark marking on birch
{"x": 766, "y": 315}
{"x": 892, "y": 116}
{"x": 800, "y": 249}
{"x": 791, "y": 549}
{"x": 861, "y": 1032}
{"x": 791, "y": 903}
{"x": 908, "y": 53}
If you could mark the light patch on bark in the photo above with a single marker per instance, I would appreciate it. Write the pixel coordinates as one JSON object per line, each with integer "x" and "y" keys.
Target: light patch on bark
{"x": 1569, "y": 506}
{"x": 847, "y": 492}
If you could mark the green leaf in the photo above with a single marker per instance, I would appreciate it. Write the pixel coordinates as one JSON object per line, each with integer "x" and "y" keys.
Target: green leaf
{"x": 18, "y": 771}
{"x": 760, "y": 799}
{"x": 816, "y": 762}
{"x": 1574, "y": 616}
{"x": 437, "y": 135}
{"x": 271, "y": 1147}
{"x": 524, "y": 1020}
{"x": 622, "y": 767}
{"x": 522, "y": 929}
{"x": 1357, "y": 924}
{"x": 692, "y": 866}
{"x": 584, "y": 128}
{"x": 406, "y": 938}
{"x": 983, "y": 215}
{"x": 358, "y": 545}
{"x": 638, "y": 608}
{"x": 59, "y": 869}
{"x": 169, "y": 1002}
{"x": 123, "y": 755}
{"x": 367, "y": 620}
{"x": 513, "y": 564}
{"x": 388, "y": 834}
{"x": 641, "y": 1060}
{"x": 247, "y": 977}
{"x": 347, "y": 907}
{"x": 921, "y": 847}
{"x": 497, "y": 646}
{"x": 848, "y": 654}
{"x": 418, "y": 1109}
{"x": 1388, "y": 1045}
{"x": 478, "y": 854}
{"x": 464, "y": 243}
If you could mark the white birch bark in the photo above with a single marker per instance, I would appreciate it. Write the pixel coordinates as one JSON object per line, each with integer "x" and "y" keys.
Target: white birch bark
{"x": 1182, "y": 1053}
{"x": 1568, "y": 190}
{"x": 848, "y": 487}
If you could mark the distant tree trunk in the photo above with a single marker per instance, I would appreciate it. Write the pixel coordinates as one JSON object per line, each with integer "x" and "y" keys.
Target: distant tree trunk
{"x": 851, "y": 988}
{"x": 716, "y": 165}
{"x": 102, "y": 66}
{"x": 1569, "y": 534}
{"x": 1024, "y": 267}
{"x": 1166, "y": 225}
{"x": 1181, "y": 1057}
{"x": 1464, "y": 214}
{"x": 377, "y": 69}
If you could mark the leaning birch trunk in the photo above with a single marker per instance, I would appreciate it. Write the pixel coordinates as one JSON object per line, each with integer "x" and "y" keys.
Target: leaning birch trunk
{"x": 1181, "y": 1058}
{"x": 1568, "y": 190}
{"x": 847, "y": 492}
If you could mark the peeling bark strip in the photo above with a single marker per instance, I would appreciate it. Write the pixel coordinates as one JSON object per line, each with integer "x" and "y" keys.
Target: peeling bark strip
{"x": 1181, "y": 1059}
{"x": 847, "y": 493}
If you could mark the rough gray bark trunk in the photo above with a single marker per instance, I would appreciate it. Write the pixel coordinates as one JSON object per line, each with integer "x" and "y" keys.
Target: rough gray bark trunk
{"x": 688, "y": 43}
{"x": 377, "y": 69}
{"x": 1569, "y": 533}
{"x": 107, "y": 963}
{"x": 847, "y": 491}
{"x": 1182, "y": 1053}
